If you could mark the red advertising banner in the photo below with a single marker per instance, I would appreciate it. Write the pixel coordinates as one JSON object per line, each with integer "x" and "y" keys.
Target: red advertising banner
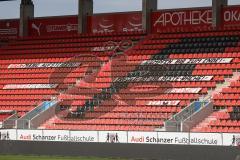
{"x": 187, "y": 18}
{"x": 99, "y": 23}
{"x": 53, "y": 26}
{"x": 231, "y": 16}
{"x": 194, "y": 18}
{"x": 9, "y": 28}
{"x": 116, "y": 22}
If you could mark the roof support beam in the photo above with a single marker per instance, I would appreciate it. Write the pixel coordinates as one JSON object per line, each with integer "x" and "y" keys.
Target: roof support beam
{"x": 85, "y": 9}
{"x": 26, "y": 12}
{"x": 217, "y": 6}
{"x": 148, "y": 6}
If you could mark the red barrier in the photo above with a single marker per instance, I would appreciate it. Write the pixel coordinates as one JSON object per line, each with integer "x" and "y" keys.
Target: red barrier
{"x": 187, "y": 19}
{"x": 9, "y": 28}
{"x": 99, "y": 23}
{"x": 53, "y": 26}
{"x": 116, "y": 22}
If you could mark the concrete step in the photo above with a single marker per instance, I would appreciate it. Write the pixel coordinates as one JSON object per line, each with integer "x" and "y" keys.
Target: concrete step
{"x": 204, "y": 123}
{"x": 226, "y": 84}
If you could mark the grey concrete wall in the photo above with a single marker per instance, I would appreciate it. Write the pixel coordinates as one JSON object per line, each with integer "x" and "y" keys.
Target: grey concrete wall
{"x": 172, "y": 126}
{"x": 23, "y": 123}
{"x": 10, "y": 122}
{"x": 42, "y": 117}
{"x": 136, "y": 151}
{"x": 197, "y": 117}
{"x": 174, "y": 123}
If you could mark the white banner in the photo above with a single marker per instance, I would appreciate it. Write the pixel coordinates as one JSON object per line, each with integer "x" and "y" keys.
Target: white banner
{"x": 173, "y": 138}
{"x": 29, "y": 135}
{"x": 176, "y": 138}
{"x": 231, "y": 139}
{"x": 8, "y": 134}
{"x": 30, "y": 86}
{"x": 54, "y": 135}
{"x": 6, "y": 111}
{"x": 188, "y": 61}
{"x": 163, "y": 103}
{"x": 83, "y": 136}
{"x": 142, "y": 137}
{"x": 102, "y": 49}
{"x": 214, "y": 139}
{"x": 113, "y": 136}
{"x": 184, "y": 90}
{"x": 164, "y": 78}
{"x": 45, "y": 65}
{"x": 57, "y": 135}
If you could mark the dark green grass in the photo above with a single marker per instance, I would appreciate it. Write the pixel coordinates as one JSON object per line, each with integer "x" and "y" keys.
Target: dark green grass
{"x": 20, "y": 157}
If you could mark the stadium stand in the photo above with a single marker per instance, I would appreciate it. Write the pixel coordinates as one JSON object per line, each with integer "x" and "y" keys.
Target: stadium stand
{"x": 25, "y": 72}
{"x": 136, "y": 89}
{"x": 226, "y": 118}
{"x": 148, "y": 113}
{"x": 117, "y": 84}
{"x": 146, "y": 116}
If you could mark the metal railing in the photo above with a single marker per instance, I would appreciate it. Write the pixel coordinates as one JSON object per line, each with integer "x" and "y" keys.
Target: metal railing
{"x": 175, "y": 123}
{"x": 25, "y": 121}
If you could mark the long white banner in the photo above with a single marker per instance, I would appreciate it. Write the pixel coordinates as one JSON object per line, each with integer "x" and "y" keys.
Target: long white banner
{"x": 163, "y": 103}
{"x": 188, "y": 61}
{"x": 8, "y": 31}
{"x": 184, "y": 90}
{"x": 54, "y": 135}
{"x": 45, "y": 65}
{"x": 174, "y": 138}
{"x": 164, "y": 78}
{"x": 30, "y": 86}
